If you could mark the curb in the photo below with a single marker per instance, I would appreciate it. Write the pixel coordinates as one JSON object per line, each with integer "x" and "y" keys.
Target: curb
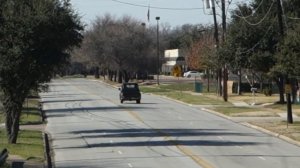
{"x": 217, "y": 113}
{"x": 47, "y": 150}
{"x": 107, "y": 84}
{"x": 274, "y": 134}
{"x": 280, "y": 136}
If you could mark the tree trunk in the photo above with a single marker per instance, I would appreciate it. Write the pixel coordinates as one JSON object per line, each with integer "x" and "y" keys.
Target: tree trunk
{"x": 12, "y": 108}
{"x": 115, "y": 73}
{"x": 294, "y": 84}
{"x": 119, "y": 74}
{"x": 208, "y": 78}
{"x": 261, "y": 83}
{"x": 289, "y": 103}
{"x": 97, "y": 73}
{"x": 125, "y": 76}
{"x": 219, "y": 72}
{"x": 110, "y": 75}
{"x": 225, "y": 79}
{"x": 239, "y": 82}
{"x": 280, "y": 83}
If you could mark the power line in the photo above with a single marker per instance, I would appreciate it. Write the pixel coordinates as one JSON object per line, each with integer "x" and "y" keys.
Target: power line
{"x": 293, "y": 18}
{"x": 155, "y": 7}
{"x": 259, "y": 22}
{"x": 290, "y": 17}
{"x": 255, "y": 45}
{"x": 253, "y": 10}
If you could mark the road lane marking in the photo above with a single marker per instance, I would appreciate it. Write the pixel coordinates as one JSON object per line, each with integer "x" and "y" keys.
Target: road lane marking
{"x": 262, "y": 158}
{"x": 238, "y": 147}
{"x": 196, "y": 158}
{"x": 203, "y": 163}
{"x": 120, "y": 152}
{"x": 220, "y": 137}
{"x": 130, "y": 165}
{"x": 136, "y": 116}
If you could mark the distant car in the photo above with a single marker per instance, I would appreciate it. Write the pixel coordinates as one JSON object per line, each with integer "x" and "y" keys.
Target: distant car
{"x": 192, "y": 74}
{"x": 130, "y": 92}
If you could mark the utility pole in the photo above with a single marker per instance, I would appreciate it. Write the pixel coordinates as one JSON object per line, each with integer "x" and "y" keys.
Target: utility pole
{"x": 215, "y": 23}
{"x": 157, "y": 47}
{"x": 216, "y": 35}
{"x": 225, "y": 73}
{"x": 280, "y": 20}
{"x": 287, "y": 80}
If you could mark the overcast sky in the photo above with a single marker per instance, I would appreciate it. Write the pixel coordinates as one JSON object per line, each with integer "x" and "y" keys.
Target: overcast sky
{"x": 173, "y": 12}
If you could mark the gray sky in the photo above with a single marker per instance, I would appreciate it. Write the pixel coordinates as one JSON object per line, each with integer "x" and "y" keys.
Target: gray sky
{"x": 173, "y": 12}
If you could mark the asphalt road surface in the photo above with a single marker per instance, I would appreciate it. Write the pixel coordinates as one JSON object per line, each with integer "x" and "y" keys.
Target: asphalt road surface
{"x": 90, "y": 128}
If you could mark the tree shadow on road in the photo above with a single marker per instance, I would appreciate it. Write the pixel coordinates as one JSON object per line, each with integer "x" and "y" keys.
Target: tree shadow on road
{"x": 161, "y": 137}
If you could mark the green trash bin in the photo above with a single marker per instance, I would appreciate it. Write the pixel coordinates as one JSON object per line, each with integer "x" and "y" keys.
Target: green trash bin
{"x": 198, "y": 87}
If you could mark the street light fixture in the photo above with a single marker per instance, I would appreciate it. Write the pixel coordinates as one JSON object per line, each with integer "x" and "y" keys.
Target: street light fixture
{"x": 157, "y": 45}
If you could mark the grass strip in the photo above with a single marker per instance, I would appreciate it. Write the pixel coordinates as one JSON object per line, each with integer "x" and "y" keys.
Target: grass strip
{"x": 30, "y": 113}
{"x": 29, "y": 145}
{"x": 172, "y": 91}
{"x": 281, "y": 127}
{"x": 244, "y": 111}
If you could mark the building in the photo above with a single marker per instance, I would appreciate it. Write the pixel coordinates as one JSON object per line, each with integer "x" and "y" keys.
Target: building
{"x": 173, "y": 57}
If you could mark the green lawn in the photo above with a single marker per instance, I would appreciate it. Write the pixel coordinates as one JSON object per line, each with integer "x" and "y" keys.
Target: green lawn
{"x": 30, "y": 114}
{"x": 29, "y": 145}
{"x": 194, "y": 99}
{"x": 182, "y": 92}
{"x": 179, "y": 86}
{"x": 184, "y": 87}
{"x": 245, "y": 111}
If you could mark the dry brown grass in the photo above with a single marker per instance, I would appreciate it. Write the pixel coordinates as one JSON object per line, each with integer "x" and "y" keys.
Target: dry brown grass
{"x": 258, "y": 98}
{"x": 282, "y": 128}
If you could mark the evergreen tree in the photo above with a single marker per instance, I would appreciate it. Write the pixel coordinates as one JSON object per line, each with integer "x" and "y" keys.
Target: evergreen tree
{"x": 36, "y": 37}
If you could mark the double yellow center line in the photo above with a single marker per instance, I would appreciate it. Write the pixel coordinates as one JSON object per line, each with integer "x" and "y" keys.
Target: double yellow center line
{"x": 203, "y": 163}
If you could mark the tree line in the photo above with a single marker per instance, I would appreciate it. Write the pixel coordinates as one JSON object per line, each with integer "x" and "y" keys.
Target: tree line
{"x": 256, "y": 46}
{"x": 258, "y": 43}
{"x": 122, "y": 48}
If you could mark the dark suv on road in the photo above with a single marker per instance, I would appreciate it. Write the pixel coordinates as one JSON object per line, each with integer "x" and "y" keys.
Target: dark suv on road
{"x": 131, "y": 92}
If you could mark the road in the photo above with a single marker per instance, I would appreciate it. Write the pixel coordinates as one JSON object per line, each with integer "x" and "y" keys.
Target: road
{"x": 90, "y": 128}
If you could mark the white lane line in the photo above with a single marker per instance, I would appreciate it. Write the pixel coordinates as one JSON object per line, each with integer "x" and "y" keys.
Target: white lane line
{"x": 120, "y": 152}
{"x": 238, "y": 147}
{"x": 130, "y": 165}
{"x": 262, "y": 158}
{"x": 220, "y": 137}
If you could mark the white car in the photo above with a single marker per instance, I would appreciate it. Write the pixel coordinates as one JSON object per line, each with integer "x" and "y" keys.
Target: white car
{"x": 192, "y": 74}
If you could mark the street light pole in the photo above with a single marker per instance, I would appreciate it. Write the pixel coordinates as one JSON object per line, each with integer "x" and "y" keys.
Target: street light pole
{"x": 157, "y": 36}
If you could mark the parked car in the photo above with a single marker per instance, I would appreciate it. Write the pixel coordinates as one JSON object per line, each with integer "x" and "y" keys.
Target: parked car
{"x": 130, "y": 92}
{"x": 192, "y": 74}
